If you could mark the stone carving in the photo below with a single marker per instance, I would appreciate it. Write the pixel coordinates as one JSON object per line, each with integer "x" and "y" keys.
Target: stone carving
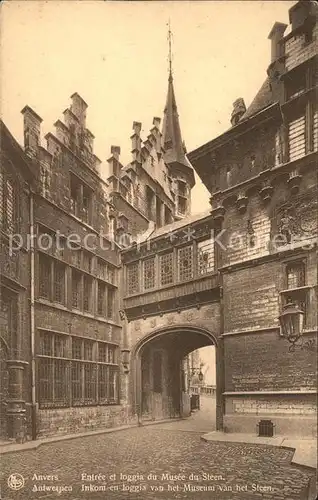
{"x": 10, "y": 266}
{"x": 171, "y": 319}
{"x": 189, "y": 316}
{"x": 137, "y": 326}
{"x": 153, "y": 323}
{"x": 297, "y": 220}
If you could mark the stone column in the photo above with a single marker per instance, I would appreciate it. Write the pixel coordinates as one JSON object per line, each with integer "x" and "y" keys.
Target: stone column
{"x": 16, "y": 411}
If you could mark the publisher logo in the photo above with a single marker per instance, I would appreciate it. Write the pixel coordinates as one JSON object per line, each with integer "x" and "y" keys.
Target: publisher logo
{"x": 15, "y": 482}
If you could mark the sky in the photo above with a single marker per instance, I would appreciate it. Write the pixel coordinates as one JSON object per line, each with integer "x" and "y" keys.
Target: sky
{"x": 115, "y": 55}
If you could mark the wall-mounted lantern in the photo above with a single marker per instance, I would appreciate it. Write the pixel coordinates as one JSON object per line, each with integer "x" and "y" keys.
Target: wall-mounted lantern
{"x": 291, "y": 321}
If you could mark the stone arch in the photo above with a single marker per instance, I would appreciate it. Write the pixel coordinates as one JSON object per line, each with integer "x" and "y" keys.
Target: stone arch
{"x": 197, "y": 331}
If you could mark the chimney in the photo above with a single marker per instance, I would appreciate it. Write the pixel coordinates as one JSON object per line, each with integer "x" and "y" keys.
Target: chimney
{"x": 31, "y": 130}
{"x": 136, "y": 142}
{"x": 305, "y": 11}
{"x": 78, "y": 108}
{"x": 276, "y": 35}
{"x": 239, "y": 109}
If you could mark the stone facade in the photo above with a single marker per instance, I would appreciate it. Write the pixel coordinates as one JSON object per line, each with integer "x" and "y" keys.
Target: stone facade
{"x": 263, "y": 188}
{"x": 16, "y": 177}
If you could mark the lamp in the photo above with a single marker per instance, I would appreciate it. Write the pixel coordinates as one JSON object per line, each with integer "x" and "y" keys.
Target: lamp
{"x": 291, "y": 321}
{"x": 125, "y": 359}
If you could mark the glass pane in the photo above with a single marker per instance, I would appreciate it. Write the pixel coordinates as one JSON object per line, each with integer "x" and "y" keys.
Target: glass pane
{"x": 185, "y": 263}
{"x": 166, "y": 268}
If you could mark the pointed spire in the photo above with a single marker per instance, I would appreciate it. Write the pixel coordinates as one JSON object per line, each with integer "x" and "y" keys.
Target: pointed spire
{"x": 171, "y": 131}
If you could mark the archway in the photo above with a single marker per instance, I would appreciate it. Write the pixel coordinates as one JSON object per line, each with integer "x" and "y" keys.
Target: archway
{"x": 157, "y": 371}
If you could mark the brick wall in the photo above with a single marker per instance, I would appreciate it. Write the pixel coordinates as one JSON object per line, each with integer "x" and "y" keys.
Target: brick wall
{"x": 251, "y": 297}
{"x": 298, "y": 51}
{"x": 82, "y": 419}
{"x": 57, "y": 319}
{"x": 261, "y": 362}
{"x": 289, "y": 405}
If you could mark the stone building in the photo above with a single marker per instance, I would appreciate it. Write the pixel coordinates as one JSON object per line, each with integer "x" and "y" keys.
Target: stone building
{"x": 262, "y": 176}
{"x": 16, "y": 177}
{"x": 119, "y": 283}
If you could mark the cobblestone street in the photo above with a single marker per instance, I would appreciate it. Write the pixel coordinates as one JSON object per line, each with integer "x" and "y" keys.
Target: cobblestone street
{"x": 155, "y": 462}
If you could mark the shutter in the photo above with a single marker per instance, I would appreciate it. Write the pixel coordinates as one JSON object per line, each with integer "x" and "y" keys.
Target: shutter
{"x": 297, "y": 138}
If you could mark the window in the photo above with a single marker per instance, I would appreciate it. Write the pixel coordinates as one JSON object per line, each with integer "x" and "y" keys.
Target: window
{"x": 75, "y": 195}
{"x": 101, "y": 299}
{"x": 87, "y": 261}
{"x": 44, "y": 276}
{"x": 83, "y": 380}
{"x": 295, "y": 274}
{"x": 182, "y": 188}
{"x": 150, "y": 199}
{"x": 111, "y": 354}
{"x": 76, "y": 289}
{"x": 45, "y": 180}
{"x": 149, "y": 273}
{"x": 296, "y": 85}
{"x": 110, "y": 302}
{"x": 205, "y": 256}
{"x": 182, "y": 205}
{"x": 8, "y": 203}
{"x": 168, "y": 215}
{"x": 81, "y": 197}
{"x": 101, "y": 269}
{"x": 76, "y": 255}
{"x": 166, "y": 268}
{"x": 86, "y": 204}
{"x": 51, "y": 279}
{"x": 133, "y": 278}
{"x": 111, "y": 274}
{"x": 112, "y": 227}
{"x": 185, "y": 263}
{"x": 297, "y": 138}
{"x": 53, "y": 370}
{"x": 102, "y": 352}
{"x": 157, "y": 371}
{"x": 87, "y": 293}
{"x": 59, "y": 283}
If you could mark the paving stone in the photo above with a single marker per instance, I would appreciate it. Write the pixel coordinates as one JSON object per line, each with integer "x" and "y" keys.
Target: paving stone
{"x": 146, "y": 450}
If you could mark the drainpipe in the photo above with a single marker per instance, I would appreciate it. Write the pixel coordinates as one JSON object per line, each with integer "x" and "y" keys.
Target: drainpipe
{"x": 32, "y": 318}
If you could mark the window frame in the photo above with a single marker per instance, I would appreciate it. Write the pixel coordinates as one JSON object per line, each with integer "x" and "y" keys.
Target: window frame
{"x": 86, "y": 388}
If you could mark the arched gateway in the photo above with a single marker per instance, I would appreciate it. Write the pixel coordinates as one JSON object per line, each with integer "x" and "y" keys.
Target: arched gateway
{"x": 157, "y": 368}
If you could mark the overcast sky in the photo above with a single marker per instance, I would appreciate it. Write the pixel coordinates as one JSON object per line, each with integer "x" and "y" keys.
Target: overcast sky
{"x": 114, "y": 54}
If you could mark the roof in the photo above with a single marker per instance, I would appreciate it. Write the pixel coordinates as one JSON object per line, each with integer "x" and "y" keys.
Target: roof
{"x": 174, "y": 226}
{"x": 171, "y": 131}
{"x": 11, "y": 145}
{"x": 262, "y": 99}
